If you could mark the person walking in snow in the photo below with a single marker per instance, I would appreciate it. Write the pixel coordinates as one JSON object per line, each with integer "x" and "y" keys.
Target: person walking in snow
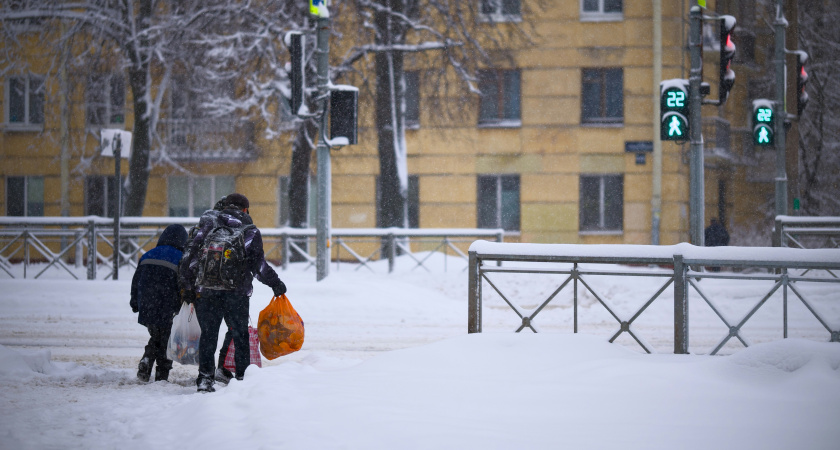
{"x": 208, "y": 219}
{"x": 215, "y": 299}
{"x": 155, "y": 296}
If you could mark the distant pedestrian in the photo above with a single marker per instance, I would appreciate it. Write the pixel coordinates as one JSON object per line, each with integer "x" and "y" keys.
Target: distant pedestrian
{"x": 222, "y": 292}
{"x": 155, "y": 295}
{"x": 716, "y": 234}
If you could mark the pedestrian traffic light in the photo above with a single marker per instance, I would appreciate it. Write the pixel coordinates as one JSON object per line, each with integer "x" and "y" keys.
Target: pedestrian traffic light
{"x": 727, "y": 52}
{"x": 801, "y": 81}
{"x": 764, "y": 127}
{"x": 294, "y": 41}
{"x": 674, "y": 110}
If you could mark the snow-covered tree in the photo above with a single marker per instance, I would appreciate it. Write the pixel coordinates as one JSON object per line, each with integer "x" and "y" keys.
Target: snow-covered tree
{"x": 819, "y": 126}
{"x": 227, "y": 53}
{"x": 444, "y": 37}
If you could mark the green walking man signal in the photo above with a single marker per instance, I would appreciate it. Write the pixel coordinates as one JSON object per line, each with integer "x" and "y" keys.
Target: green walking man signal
{"x": 764, "y": 126}
{"x": 674, "y": 114}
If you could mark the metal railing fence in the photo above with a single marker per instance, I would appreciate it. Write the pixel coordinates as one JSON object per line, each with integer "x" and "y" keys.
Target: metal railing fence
{"x": 680, "y": 267}
{"x": 806, "y": 232}
{"x": 58, "y": 240}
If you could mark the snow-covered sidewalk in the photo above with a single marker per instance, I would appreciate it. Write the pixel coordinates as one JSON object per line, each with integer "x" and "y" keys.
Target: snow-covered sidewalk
{"x": 387, "y": 364}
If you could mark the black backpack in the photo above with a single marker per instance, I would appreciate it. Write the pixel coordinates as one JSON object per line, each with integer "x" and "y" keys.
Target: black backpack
{"x": 222, "y": 263}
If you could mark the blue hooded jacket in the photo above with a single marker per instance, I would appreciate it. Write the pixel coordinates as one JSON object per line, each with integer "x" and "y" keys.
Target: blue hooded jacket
{"x": 154, "y": 288}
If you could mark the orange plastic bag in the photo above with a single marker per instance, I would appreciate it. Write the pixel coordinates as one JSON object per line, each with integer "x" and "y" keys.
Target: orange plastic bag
{"x": 280, "y": 329}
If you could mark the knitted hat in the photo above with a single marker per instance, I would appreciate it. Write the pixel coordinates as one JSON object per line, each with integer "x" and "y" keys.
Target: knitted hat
{"x": 237, "y": 200}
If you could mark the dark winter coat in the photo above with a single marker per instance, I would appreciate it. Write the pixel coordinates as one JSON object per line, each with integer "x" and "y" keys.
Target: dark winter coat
{"x": 154, "y": 288}
{"x": 716, "y": 235}
{"x": 253, "y": 250}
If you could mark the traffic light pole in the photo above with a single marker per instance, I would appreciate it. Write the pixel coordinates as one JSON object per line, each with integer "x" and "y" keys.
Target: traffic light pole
{"x": 323, "y": 153}
{"x": 779, "y": 26}
{"x": 696, "y": 186}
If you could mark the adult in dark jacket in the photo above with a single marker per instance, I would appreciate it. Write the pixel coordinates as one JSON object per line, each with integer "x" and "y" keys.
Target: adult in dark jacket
{"x": 155, "y": 295}
{"x": 212, "y": 306}
{"x": 716, "y": 234}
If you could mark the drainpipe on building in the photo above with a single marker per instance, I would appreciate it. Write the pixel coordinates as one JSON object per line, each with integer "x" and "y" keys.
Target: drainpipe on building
{"x": 656, "y": 199}
{"x": 64, "y": 138}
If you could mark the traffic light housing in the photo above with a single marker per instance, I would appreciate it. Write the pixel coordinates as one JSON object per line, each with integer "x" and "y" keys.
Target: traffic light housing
{"x": 344, "y": 114}
{"x": 295, "y": 42}
{"x": 801, "y": 81}
{"x": 727, "y": 52}
{"x": 674, "y": 110}
{"x": 764, "y": 123}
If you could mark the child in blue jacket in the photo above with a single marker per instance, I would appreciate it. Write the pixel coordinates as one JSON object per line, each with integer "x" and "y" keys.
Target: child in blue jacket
{"x": 156, "y": 296}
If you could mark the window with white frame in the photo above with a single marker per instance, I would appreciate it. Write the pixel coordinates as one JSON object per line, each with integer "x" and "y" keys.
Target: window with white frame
{"x": 105, "y": 100}
{"x": 191, "y": 196}
{"x": 100, "y": 195}
{"x": 25, "y": 196}
{"x": 500, "y": 10}
{"x": 498, "y": 202}
{"x": 601, "y": 203}
{"x": 500, "y": 102}
{"x": 24, "y": 102}
{"x": 602, "y": 96}
{"x": 601, "y": 10}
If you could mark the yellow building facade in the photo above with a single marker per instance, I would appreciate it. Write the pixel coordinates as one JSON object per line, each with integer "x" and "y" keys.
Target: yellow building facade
{"x": 563, "y": 154}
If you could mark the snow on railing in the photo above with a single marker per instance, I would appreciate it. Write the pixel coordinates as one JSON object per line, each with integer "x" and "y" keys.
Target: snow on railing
{"x": 681, "y": 265}
{"x": 807, "y": 232}
{"x": 58, "y": 240}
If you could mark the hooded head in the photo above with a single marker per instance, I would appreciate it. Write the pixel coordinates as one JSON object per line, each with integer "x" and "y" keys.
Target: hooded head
{"x": 175, "y": 236}
{"x": 237, "y": 201}
{"x": 220, "y": 205}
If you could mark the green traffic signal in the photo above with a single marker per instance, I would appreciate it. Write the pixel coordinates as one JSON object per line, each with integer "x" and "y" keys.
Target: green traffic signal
{"x": 763, "y": 123}
{"x": 674, "y": 110}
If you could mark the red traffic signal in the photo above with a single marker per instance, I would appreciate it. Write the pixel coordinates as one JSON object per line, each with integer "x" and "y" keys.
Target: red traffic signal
{"x": 801, "y": 81}
{"x": 727, "y": 52}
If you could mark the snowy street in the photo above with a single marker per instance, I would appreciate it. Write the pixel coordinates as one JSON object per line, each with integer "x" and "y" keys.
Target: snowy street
{"x": 387, "y": 364}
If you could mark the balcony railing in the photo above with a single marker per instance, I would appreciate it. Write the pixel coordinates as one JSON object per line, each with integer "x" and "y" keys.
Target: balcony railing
{"x": 208, "y": 139}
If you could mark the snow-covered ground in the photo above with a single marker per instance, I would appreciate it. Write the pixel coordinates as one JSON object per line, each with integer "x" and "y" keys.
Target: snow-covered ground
{"x": 387, "y": 364}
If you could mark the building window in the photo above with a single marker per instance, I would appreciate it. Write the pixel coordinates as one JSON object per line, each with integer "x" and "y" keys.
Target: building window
{"x": 601, "y": 203}
{"x": 500, "y": 10}
{"x": 99, "y": 195}
{"x": 25, "y": 196}
{"x": 498, "y": 202}
{"x": 602, "y": 96}
{"x": 105, "y": 100}
{"x": 25, "y": 102}
{"x": 283, "y": 201}
{"x": 412, "y": 99}
{"x": 191, "y": 196}
{"x": 601, "y": 10}
{"x": 499, "y": 104}
{"x": 412, "y": 208}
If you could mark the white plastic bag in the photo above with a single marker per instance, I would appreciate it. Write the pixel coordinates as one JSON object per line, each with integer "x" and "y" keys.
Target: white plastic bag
{"x": 183, "y": 340}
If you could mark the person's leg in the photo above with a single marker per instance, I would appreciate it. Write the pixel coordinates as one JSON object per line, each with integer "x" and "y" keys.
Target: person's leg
{"x": 163, "y": 364}
{"x": 209, "y": 311}
{"x": 222, "y": 373}
{"x": 144, "y": 369}
{"x": 236, "y": 318}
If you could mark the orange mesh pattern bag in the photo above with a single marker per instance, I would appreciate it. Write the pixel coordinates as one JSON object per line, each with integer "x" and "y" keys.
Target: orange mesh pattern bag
{"x": 280, "y": 329}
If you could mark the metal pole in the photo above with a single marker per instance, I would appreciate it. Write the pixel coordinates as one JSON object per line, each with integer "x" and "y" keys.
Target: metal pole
{"x": 474, "y": 294}
{"x": 323, "y": 152}
{"x": 680, "y": 307}
{"x": 696, "y": 187}
{"x": 779, "y": 26}
{"x": 656, "y": 198}
{"x": 117, "y": 205}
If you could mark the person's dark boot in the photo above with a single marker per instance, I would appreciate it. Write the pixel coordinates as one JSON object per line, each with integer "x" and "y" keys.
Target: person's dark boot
{"x": 205, "y": 383}
{"x": 144, "y": 370}
{"x": 162, "y": 371}
{"x": 223, "y": 375}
